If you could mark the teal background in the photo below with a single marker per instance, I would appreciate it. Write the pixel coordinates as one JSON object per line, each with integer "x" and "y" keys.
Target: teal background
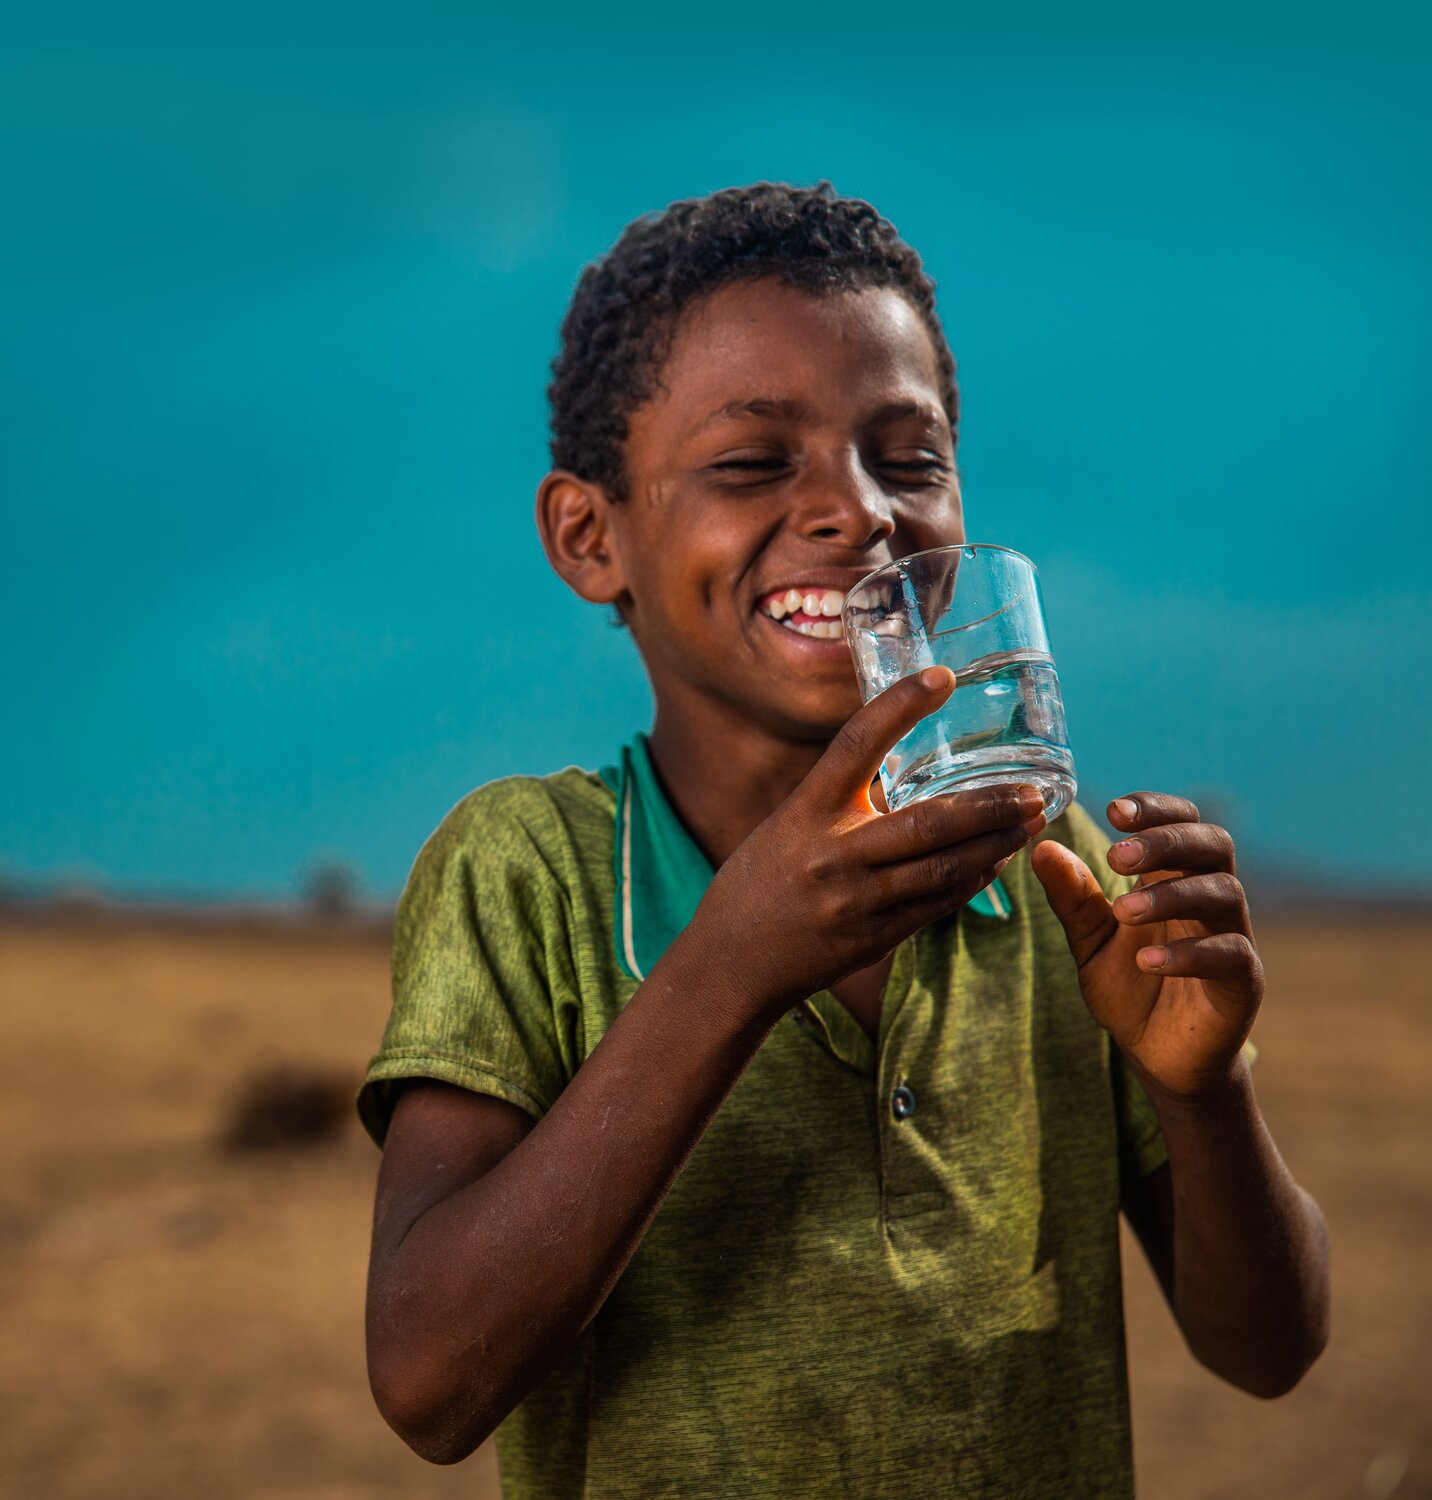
{"x": 281, "y": 283}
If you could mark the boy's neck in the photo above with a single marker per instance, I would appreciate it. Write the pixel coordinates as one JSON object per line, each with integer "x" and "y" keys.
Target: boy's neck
{"x": 725, "y": 778}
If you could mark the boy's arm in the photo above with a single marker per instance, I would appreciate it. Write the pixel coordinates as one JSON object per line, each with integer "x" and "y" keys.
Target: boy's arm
{"x": 1240, "y": 1249}
{"x": 1170, "y": 970}
{"x": 496, "y": 1241}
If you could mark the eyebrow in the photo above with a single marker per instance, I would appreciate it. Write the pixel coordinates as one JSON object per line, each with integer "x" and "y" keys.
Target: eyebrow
{"x": 793, "y": 411}
{"x": 898, "y": 411}
{"x": 758, "y": 406}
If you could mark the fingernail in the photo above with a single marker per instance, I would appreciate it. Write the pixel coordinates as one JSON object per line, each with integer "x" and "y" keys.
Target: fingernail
{"x": 1032, "y": 825}
{"x": 935, "y": 678}
{"x": 1135, "y": 904}
{"x": 1030, "y": 802}
{"x": 1130, "y": 851}
{"x": 1127, "y": 808}
{"x": 1154, "y": 958}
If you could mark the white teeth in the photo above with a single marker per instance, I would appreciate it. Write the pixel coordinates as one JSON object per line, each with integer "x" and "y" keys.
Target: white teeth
{"x": 825, "y": 630}
{"x": 824, "y": 607}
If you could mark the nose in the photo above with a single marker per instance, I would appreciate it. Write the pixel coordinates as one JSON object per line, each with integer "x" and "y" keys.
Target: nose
{"x": 841, "y": 502}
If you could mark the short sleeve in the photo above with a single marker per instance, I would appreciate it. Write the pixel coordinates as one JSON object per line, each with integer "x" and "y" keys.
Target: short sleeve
{"x": 1141, "y": 1143}
{"x": 481, "y": 961}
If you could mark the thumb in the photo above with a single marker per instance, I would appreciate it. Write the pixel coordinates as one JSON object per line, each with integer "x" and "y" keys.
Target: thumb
{"x": 1075, "y": 897}
{"x": 853, "y": 757}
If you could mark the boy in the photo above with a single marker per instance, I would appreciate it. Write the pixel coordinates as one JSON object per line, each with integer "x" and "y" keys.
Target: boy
{"x": 742, "y": 1139}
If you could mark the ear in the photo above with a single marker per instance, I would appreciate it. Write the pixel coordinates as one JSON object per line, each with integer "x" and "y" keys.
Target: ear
{"x": 574, "y": 519}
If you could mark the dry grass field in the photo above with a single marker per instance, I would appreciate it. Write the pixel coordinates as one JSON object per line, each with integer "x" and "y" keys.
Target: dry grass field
{"x": 184, "y": 1320}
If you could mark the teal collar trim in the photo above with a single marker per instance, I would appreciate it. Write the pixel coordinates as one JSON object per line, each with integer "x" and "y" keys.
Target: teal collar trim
{"x": 661, "y": 875}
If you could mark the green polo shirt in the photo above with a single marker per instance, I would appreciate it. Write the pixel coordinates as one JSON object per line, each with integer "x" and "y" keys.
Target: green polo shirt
{"x": 888, "y": 1267}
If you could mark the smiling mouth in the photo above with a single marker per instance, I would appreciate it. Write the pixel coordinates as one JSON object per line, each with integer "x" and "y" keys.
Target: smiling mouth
{"x": 807, "y": 611}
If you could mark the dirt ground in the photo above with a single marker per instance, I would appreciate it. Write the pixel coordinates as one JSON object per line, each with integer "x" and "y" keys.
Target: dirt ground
{"x": 181, "y": 1321}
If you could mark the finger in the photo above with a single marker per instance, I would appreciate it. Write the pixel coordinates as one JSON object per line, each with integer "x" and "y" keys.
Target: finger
{"x": 938, "y": 822}
{"x": 1174, "y": 846}
{"x": 1225, "y": 958}
{"x": 1075, "y": 897}
{"x": 1217, "y": 901}
{"x": 853, "y": 757}
{"x": 954, "y": 866}
{"x": 909, "y": 916}
{"x": 1137, "y": 810}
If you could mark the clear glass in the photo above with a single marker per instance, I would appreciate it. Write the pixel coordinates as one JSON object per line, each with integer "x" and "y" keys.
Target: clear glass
{"x": 976, "y": 609}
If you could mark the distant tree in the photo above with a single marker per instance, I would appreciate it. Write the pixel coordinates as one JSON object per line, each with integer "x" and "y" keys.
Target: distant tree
{"x": 331, "y": 891}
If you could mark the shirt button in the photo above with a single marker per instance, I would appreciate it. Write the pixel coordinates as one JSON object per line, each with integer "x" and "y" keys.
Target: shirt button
{"x": 902, "y": 1102}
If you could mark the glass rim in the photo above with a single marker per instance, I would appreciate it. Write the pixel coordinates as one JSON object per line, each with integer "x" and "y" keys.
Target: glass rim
{"x": 900, "y": 562}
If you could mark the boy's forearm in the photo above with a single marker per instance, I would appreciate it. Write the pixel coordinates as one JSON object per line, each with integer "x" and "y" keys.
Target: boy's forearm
{"x": 491, "y": 1285}
{"x": 1250, "y": 1255}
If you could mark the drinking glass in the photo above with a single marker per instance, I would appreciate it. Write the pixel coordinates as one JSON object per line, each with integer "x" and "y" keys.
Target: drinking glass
{"x": 976, "y": 609}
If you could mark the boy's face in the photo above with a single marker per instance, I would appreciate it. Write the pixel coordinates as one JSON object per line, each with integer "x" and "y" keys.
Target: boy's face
{"x": 795, "y": 443}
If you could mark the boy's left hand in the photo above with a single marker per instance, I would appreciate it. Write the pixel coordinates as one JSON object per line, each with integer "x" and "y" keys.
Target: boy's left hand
{"x": 1170, "y": 969}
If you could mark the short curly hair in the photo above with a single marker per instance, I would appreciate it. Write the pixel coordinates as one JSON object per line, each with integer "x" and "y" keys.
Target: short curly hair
{"x": 624, "y": 313}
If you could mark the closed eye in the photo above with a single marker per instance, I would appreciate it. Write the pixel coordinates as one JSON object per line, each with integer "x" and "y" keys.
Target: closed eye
{"x": 928, "y": 469}
{"x": 749, "y": 471}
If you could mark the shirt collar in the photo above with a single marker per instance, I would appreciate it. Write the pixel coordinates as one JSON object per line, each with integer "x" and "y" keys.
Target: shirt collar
{"x": 661, "y": 875}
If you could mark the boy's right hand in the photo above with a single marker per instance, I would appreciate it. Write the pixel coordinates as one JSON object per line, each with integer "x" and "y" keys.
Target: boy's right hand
{"x": 827, "y": 885}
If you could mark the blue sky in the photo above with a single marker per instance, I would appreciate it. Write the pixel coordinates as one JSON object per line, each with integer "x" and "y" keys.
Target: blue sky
{"x": 281, "y": 287}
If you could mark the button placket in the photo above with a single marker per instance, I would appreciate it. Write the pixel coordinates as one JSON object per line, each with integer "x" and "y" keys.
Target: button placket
{"x": 904, "y": 1193}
